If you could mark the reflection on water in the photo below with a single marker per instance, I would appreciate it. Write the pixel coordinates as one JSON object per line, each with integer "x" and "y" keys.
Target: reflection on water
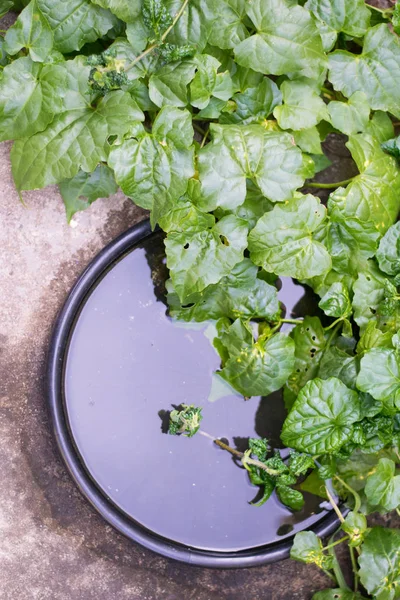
{"x": 126, "y": 362}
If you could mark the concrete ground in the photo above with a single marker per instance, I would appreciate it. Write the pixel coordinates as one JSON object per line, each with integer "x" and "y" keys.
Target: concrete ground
{"x": 53, "y": 545}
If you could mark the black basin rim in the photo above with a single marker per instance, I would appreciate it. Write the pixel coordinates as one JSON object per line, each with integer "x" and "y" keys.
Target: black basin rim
{"x": 134, "y": 531}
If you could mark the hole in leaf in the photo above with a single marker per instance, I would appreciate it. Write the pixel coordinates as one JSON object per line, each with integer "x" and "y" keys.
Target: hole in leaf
{"x": 372, "y": 310}
{"x": 224, "y": 240}
{"x": 186, "y": 246}
{"x": 313, "y": 338}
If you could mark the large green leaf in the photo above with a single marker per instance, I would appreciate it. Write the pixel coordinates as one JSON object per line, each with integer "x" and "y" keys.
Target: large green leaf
{"x": 199, "y": 257}
{"x": 24, "y": 107}
{"x": 286, "y": 40}
{"x": 380, "y": 375}
{"x": 336, "y": 301}
{"x": 337, "y": 363}
{"x": 282, "y": 242}
{"x": 194, "y": 25}
{"x": 380, "y": 563}
{"x": 376, "y": 71}
{"x": 388, "y": 253}
{"x": 76, "y": 22}
{"x": 238, "y": 295}
{"x": 350, "y": 117}
{"x": 75, "y": 139}
{"x": 383, "y": 486}
{"x": 255, "y": 104}
{"x": 302, "y": 106}
{"x": 208, "y": 82}
{"x": 31, "y": 31}
{"x": 168, "y": 86}
{"x": 154, "y": 169}
{"x": 350, "y": 242}
{"x": 237, "y": 153}
{"x": 82, "y": 190}
{"x": 322, "y": 417}
{"x": 349, "y": 16}
{"x": 261, "y": 367}
{"x": 227, "y": 29}
{"x": 127, "y": 10}
{"x": 374, "y": 195}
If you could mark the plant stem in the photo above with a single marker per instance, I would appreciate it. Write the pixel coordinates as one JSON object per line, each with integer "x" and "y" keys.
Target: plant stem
{"x": 340, "y": 541}
{"x": 332, "y": 335}
{"x": 357, "y": 499}
{"x": 383, "y": 11}
{"x": 328, "y": 186}
{"x": 163, "y": 37}
{"x": 341, "y": 582}
{"x": 398, "y": 511}
{"x": 334, "y": 505}
{"x": 198, "y": 129}
{"x": 332, "y": 577}
{"x": 333, "y": 324}
{"x": 291, "y": 321}
{"x": 250, "y": 461}
{"x": 354, "y": 565}
{"x": 203, "y": 141}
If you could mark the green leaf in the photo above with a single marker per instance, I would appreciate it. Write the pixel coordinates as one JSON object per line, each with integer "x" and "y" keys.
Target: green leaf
{"x": 269, "y": 159}
{"x": 347, "y": 16}
{"x": 227, "y": 28}
{"x": 309, "y": 339}
{"x": 5, "y": 6}
{"x": 290, "y": 497}
{"x": 286, "y": 40}
{"x": 368, "y": 301}
{"x": 350, "y": 117}
{"x": 261, "y": 367}
{"x": 75, "y": 22}
{"x": 154, "y": 169}
{"x": 209, "y": 82}
{"x": 282, "y": 242}
{"x": 156, "y": 17}
{"x": 309, "y": 141}
{"x": 380, "y": 126}
{"x": 322, "y": 417}
{"x": 256, "y": 103}
{"x": 383, "y": 486}
{"x": 380, "y": 563}
{"x": 238, "y": 295}
{"x": 259, "y": 447}
{"x": 200, "y": 257}
{"x": 24, "y": 107}
{"x": 374, "y": 338}
{"x": 355, "y": 525}
{"x": 374, "y": 195}
{"x": 376, "y": 71}
{"x": 75, "y": 140}
{"x": 127, "y": 10}
{"x": 336, "y": 301}
{"x": 380, "y": 375}
{"x": 168, "y": 86}
{"x": 82, "y": 190}
{"x": 350, "y": 242}
{"x": 194, "y": 25}
{"x": 30, "y": 31}
{"x": 388, "y": 253}
{"x": 302, "y": 106}
{"x": 137, "y": 35}
{"x": 307, "y": 548}
{"x": 337, "y": 363}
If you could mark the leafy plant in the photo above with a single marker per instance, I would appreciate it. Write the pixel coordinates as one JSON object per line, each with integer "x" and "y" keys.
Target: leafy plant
{"x": 211, "y": 114}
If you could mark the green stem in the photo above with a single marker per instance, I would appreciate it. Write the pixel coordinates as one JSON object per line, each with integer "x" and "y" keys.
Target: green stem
{"x": 340, "y": 541}
{"x": 332, "y": 577}
{"x": 163, "y": 37}
{"x": 250, "y": 461}
{"x": 333, "y": 324}
{"x": 334, "y": 505}
{"x": 357, "y": 499}
{"x": 341, "y": 582}
{"x": 383, "y": 11}
{"x": 198, "y": 129}
{"x": 291, "y": 321}
{"x": 330, "y": 338}
{"x": 203, "y": 141}
{"x": 398, "y": 511}
{"x": 355, "y": 570}
{"x": 328, "y": 186}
